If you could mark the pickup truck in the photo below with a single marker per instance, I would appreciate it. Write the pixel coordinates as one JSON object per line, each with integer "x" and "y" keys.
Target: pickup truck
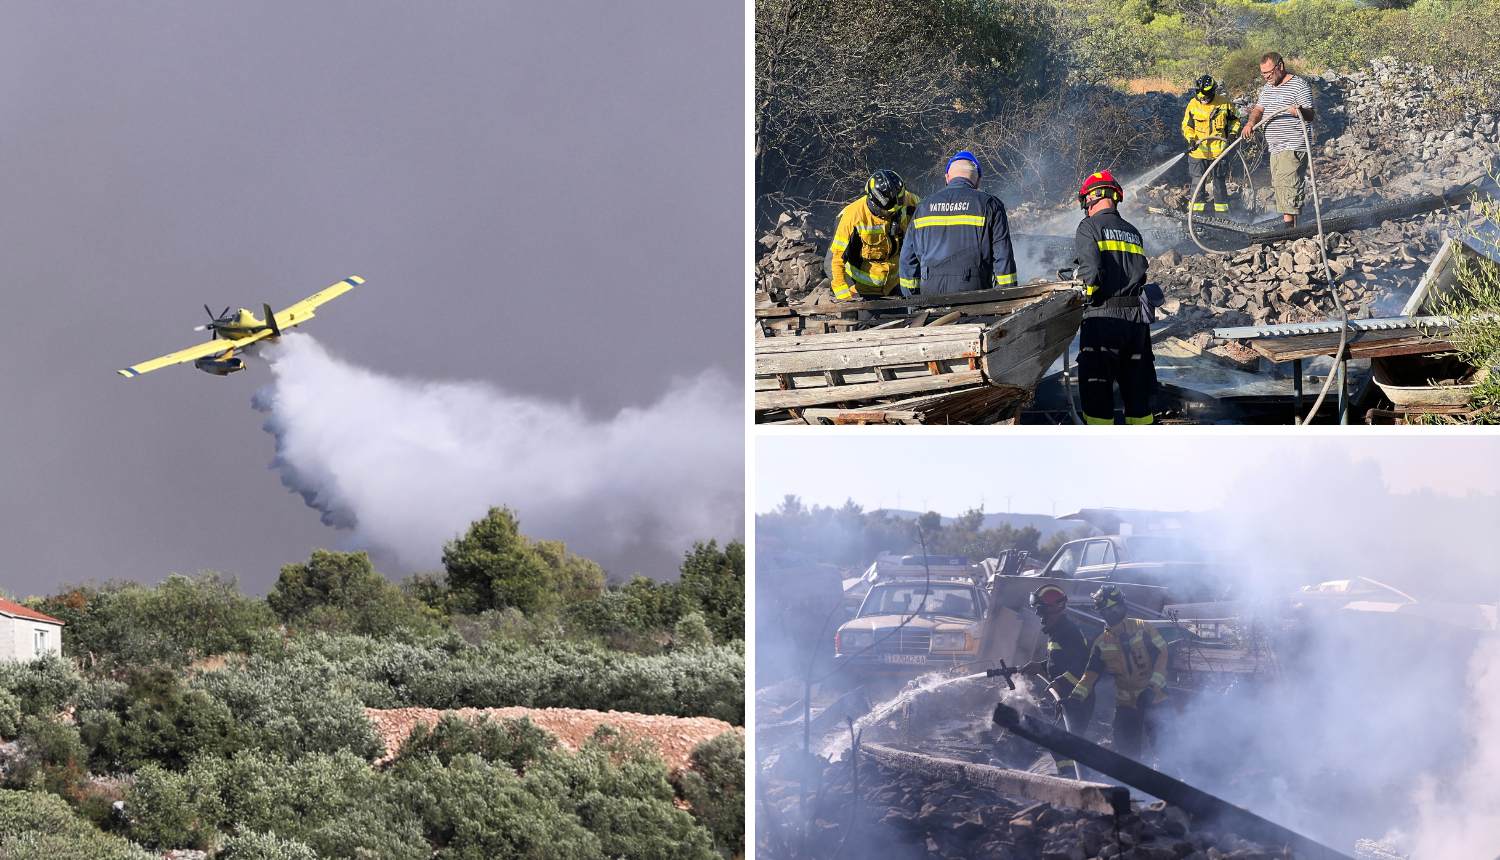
{"x": 912, "y": 626}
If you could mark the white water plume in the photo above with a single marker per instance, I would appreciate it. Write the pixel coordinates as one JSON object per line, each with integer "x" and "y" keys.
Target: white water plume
{"x": 406, "y": 465}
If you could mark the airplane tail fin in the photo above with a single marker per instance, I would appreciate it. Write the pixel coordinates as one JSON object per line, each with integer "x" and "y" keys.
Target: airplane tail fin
{"x": 271, "y": 321}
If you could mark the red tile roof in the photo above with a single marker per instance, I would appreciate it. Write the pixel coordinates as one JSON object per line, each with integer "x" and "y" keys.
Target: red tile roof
{"x": 16, "y": 609}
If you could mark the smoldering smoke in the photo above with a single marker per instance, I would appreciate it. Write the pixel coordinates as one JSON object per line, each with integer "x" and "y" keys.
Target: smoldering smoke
{"x": 406, "y": 465}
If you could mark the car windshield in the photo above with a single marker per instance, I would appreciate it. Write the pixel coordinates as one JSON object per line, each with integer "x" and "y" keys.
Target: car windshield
{"x": 907, "y": 598}
{"x": 1162, "y": 549}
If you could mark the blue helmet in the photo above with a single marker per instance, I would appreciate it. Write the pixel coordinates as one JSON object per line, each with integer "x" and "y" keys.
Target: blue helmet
{"x": 965, "y": 155}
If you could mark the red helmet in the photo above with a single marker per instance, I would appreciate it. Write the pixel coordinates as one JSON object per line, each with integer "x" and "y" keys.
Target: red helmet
{"x": 1102, "y": 183}
{"x": 1049, "y": 599}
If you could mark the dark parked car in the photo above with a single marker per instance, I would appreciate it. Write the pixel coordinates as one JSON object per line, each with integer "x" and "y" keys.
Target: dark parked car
{"x": 1174, "y": 563}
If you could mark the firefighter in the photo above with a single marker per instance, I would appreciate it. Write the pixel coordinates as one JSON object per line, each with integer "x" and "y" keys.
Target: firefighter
{"x": 1135, "y": 654}
{"x": 1115, "y": 337}
{"x": 1208, "y": 122}
{"x": 1067, "y": 655}
{"x": 959, "y": 239}
{"x": 866, "y": 248}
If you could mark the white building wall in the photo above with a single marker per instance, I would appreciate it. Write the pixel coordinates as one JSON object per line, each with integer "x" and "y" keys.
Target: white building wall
{"x": 18, "y": 638}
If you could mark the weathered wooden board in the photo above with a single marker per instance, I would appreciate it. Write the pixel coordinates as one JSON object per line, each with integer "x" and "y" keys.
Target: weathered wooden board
{"x": 1020, "y": 348}
{"x": 799, "y": 398}
{"x": 967, "y": 406}
{"x": 856, "y": 349}
{"x": 1088, "y": 796}
{"x": 937, "y": 300}
{"x": 1362, "y": 344}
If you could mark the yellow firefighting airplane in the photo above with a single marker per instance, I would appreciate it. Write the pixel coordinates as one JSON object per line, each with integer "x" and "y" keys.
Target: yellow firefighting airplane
{"x": 236, "y": 331}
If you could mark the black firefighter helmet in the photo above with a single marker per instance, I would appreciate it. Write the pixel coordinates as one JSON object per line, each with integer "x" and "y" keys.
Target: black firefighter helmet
{"x": 885, "y": 189}
{"x": 1206, "y": 87}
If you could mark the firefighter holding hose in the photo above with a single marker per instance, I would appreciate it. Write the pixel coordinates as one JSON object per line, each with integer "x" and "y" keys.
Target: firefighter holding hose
{"x": 1114, "y": 340}
{"x": 1207, "y": 124}
{"x": 866, "y": 249}
{"x": 1133, "y": 652}
{"x": 1067, "y": 655}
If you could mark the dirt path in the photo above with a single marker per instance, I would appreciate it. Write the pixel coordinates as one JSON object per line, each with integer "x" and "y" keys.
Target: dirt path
{"x": 673, "y": 737}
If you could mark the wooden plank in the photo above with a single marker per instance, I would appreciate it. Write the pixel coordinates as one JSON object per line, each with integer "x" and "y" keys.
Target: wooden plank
{"x": 1088, "y": 796}
{"x": 1362, "y": 344}
{"x": 865, "y": 349}
{"x": 937, "y": 300}
{"x": 767, "y": 313}
{"x": 765, "y": 400}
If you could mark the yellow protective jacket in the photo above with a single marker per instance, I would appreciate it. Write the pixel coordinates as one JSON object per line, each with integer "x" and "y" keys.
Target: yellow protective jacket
{"x": 866, "y": 249}
{"x": 1135, "y": 654}
{"x": 1215, "y": 119}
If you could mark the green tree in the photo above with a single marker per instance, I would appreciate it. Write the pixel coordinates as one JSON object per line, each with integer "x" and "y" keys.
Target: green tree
{"x": 494, "y": 566}
{"x": 342, "y": 591}
{"x": 157, "y": 721}
{"x": 715, "y": 580}
{"x": 715, "y": 789}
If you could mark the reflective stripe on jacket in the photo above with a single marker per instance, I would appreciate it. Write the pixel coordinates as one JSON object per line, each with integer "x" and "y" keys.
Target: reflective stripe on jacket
{"x": 1067, "y": 654}
{"x": 866, "y": 248}
{"x": 1217, "y": 118}
{"x": 959, "y": 241}
{"x": 1135, "y": 654}
{"x": 1112, "y": 265}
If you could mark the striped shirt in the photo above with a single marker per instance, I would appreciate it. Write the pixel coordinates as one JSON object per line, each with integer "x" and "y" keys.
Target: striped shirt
{"x": 1284, "y": 131}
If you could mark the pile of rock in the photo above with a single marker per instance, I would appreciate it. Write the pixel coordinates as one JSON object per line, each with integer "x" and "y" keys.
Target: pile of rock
{"x": 1374, "y": 269}
{"x": 909, "y": 817}
{"x": 791, "y": 267}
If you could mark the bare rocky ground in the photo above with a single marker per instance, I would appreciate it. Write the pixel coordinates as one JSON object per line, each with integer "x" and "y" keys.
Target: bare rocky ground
{"x": 673, "y": 737}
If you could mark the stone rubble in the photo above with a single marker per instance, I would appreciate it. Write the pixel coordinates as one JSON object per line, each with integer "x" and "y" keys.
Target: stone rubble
{"x": 910, "y": 817}
{"x": 791, "y": 268}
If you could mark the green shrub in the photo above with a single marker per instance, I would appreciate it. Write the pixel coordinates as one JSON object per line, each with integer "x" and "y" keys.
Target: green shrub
{"x": 40, "y": 826}
{"x": 517, "y": 743}
{"x": 715, "y": 787}
{"x": 342, "y": 592}
{"x": 10, "y": 714}
{"x": 52, "y": 759}
{"x": 157, "y": 720}
{"x": 715, "y": 580}
{"x": 263, "y": 846}
{"x": 41, "y": 687}
{"x": 178, "y": 810}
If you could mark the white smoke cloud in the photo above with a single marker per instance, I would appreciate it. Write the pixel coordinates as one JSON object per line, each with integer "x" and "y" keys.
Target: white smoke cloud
{"x": 406, "y": 465}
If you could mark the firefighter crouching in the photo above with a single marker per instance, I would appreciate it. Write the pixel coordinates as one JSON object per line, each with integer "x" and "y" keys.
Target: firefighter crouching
{"x": 1210, "y": 119}
{"x": 1115, "y": 337}
{"x": 1067, "y": 656}
{"x": 1135, "y": 654}
{"x": 865, "y": 252}
{"x": 959, "y": 239}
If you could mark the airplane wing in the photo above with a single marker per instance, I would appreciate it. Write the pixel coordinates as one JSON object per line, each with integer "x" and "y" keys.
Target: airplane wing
{"x": 302, "y": 311}
{"x": 202, "y": 350}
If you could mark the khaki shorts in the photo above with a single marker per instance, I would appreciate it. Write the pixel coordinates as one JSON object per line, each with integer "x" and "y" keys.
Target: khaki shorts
{"x": 1289, "y": 178}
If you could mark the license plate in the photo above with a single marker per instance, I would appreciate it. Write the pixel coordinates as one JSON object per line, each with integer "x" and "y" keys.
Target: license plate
{"x": 904, "y": 658}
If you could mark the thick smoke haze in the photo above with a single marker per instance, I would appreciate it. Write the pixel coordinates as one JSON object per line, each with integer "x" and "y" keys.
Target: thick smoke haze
{"x": 405, "y": 465}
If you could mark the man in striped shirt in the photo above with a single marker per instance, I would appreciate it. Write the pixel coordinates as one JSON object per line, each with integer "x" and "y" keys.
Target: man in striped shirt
{"x": 1285, "y": 104}
{"x": 959, "y": 238}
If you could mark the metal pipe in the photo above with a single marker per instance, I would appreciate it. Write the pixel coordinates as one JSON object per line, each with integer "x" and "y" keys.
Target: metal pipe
{"x": 1343, "y": 391}
{"x": 1297, "y": 387}
{"x": 1203, "y": 806}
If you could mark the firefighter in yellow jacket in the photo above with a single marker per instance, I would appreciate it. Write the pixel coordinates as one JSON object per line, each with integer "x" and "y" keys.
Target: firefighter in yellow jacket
{"x": 1135, "y": 654}
{"x": 1208, "y": 124}
{"x": 866, "y": 249}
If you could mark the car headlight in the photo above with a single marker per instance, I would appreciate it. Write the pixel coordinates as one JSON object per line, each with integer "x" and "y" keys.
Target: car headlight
{"x": 950, "y": 641}
{"x": 853, "y": 640}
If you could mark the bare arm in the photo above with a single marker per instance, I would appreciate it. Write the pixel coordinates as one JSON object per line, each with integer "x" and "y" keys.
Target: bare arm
{"x": 1255, "y": 116}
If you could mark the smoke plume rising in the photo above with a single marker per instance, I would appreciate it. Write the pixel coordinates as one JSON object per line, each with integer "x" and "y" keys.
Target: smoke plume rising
{"x": 405, "y": 465}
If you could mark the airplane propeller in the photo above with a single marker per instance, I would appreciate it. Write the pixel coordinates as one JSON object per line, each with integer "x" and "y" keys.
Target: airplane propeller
{"x": 214, "y": 320}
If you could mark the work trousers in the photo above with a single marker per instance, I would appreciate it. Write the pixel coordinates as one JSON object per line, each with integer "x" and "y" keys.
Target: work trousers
{"x": 1076, "y": 718}
{"x": 1131, "y": 724}
{"x": 1114, "y": 351}
{"x": 1196, "y": 167}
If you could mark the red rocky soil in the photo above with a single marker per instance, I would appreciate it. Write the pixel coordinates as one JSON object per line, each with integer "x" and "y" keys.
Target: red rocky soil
{"x": 673, "y": 737}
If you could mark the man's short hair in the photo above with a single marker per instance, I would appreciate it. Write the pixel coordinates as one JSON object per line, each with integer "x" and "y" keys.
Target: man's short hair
{"x": 1274, "y": 57}
{"x": 964, "y": 165}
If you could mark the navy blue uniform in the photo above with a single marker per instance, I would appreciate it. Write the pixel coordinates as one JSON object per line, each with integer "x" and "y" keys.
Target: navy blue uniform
{"x": 1115, "y": 338}
{"x": 959, "y": 240}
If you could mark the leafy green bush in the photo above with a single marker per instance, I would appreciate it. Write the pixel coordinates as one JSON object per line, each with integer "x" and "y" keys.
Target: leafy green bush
{"x": 41, "y": 687}
{"x": 157, "y": 720}
{"x": 263, "y": 846}
{"x": 177, "y": 621}
{"x": 517, "y": 743}
{"x": 10, "y": 714}
{"x": 715, "y": 787}
{"x": 40, "y": 826}
{"x": 342, "y": 592}
{"x": 178, "y": 810}
{"x": 494, "y": 566}
{"x": 52, "y": 759}
{"x": 715, "y": 580}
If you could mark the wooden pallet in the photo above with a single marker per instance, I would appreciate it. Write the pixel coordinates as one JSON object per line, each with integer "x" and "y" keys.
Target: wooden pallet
{"x": 955, "y": 373}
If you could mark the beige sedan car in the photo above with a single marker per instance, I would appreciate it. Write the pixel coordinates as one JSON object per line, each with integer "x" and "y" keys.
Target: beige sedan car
{"x": 911, "y": 626}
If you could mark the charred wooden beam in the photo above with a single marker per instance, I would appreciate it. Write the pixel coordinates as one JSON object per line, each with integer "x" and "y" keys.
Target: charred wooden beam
{"x": 1088, "y": 796}
{"x": 1203, "y": 806}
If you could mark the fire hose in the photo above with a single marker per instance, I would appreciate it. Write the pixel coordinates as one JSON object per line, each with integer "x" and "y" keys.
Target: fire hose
{"x": 1338, "y": 300}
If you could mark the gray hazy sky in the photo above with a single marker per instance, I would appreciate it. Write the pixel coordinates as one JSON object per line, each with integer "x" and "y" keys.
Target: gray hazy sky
{"x": 1169, "y": 472}
{"x": 544, "y": 197}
